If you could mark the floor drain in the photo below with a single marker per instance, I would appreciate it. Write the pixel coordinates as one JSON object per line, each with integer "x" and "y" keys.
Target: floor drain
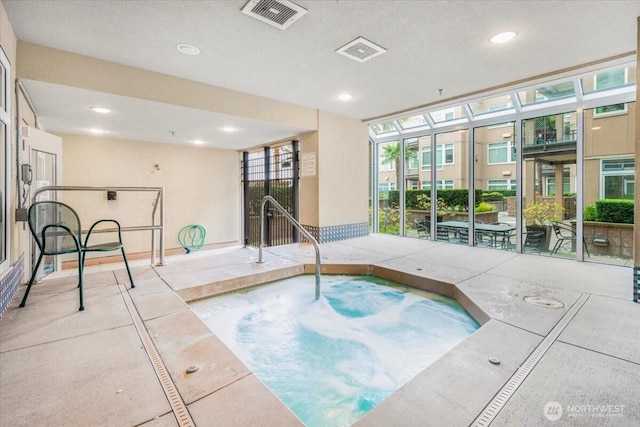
{"x": 544, "y": 302}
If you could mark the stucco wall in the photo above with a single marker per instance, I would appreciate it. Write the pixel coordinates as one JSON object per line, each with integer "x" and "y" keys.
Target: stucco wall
{"x": 202, "y": 186}
{"x": 343, "y": 167}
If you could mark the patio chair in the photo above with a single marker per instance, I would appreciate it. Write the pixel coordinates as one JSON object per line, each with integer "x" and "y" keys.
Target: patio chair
{"x": 532, "y": 241}
{"x": 423, "y": 226}
{"x": 442, "y": 233}
{"x": 565, "y": 234}
{"x": 56, "y": 229}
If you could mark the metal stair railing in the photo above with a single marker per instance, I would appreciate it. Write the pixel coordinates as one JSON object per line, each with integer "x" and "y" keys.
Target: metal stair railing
{"x": 296, "y": 224}
{"x": 158, "y": 204}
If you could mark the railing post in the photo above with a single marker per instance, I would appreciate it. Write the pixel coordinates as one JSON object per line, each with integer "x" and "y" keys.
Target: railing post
{"x": 162, "y": 227}
{"x": 295, "y": 223}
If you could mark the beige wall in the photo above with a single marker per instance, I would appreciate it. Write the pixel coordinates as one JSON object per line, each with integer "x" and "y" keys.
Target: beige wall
{"x": 343, "y": 166}
{"x": 309, "y": 196}
{"x": 56, "y": 66}
{"x": 202, "y": 186}
{"x": 610, "y": 135}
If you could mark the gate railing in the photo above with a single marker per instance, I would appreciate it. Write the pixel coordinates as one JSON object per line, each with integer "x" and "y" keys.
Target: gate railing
{"x": 296, "y": 224}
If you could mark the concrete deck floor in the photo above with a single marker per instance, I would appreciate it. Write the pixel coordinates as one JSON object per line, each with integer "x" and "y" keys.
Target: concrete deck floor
{"x": 62, "y": 367}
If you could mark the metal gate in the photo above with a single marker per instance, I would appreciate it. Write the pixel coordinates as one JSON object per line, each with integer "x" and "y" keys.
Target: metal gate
{"x": 272, "y": 172}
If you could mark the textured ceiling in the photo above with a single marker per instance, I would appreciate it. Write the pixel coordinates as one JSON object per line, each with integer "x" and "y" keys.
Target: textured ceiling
{"x": 431, "y": 45}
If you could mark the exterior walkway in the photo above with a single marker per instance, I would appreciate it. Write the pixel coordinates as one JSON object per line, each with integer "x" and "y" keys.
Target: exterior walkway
{"x": 124, "y": 360}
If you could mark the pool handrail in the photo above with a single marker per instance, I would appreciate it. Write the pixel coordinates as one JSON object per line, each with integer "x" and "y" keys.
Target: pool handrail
{"x": 296, "y": 224}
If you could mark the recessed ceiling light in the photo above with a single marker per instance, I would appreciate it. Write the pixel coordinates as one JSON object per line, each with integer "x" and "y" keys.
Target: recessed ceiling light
{"x": 96, "y": 131}
{"x": 345, "y": 96}
{"x": 228, "y": 129}
{"x": 198, "y": 142}
{"x": 100, "y": 110}
{"x": 503, "y": 37}
{"x": 188, "y": 49}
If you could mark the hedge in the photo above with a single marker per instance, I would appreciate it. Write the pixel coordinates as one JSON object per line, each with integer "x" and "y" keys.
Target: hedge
{"x": 282, "y": 194}
{"x": 505, "y": 193}
{"x": 615, "y": 210}
{"x": 459, "y": 197}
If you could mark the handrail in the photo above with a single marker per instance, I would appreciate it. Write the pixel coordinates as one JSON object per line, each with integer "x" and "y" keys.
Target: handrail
{"x": 296, "y": 224}
{"x": 153, "y": 227}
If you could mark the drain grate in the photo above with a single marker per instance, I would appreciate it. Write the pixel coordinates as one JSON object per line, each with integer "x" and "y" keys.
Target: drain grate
{"x": 175, "y": 400}
{"x": 495, "y": 406}
{"x": 544, "y": 302}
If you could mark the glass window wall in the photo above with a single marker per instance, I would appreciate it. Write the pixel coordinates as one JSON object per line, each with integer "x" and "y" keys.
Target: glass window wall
{"x": 549, "y": 144}
{"x": 608, "y": 186}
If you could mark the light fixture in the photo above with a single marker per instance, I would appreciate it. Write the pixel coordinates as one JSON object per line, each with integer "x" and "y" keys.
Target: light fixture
{"x": 198, "y": 141}
{"x": 96, "y": 131}
{"x": 503, "y": 37}
{"x": 596, "y": 128}
{"x": 228, "y": 129}
{"x": 345, "y": 97}
{"x": 188, "y": 49}
{"x": 100, "y": 110}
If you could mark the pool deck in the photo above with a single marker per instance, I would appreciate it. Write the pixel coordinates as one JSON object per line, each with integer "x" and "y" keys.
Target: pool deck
{"x": 123, "y": 361}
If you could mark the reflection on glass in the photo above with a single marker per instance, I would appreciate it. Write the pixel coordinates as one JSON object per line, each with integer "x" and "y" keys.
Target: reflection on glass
{"x": 500, "y": 103}
{"x": 608, "y": 187}
{"x": 447, "y": 114}
{"x": 609, "y": 79}
{"x": 547, "y": 93}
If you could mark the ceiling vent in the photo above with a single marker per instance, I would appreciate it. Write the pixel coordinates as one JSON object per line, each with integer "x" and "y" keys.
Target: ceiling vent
{"x": 361, "y": 50}
{"x": 279, "y": 13}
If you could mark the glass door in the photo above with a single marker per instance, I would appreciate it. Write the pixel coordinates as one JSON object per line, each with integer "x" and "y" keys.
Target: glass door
{"x": 43, "y": 170}
{"x": 44, "y": 175}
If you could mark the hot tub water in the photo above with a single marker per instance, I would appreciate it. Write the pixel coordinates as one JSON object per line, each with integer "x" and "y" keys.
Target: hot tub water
{"x": 332, "y": 360}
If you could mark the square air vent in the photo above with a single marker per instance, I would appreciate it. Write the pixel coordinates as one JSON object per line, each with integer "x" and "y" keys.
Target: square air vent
{"x": 361, "y": 50}
{"x": 279, "y": 13}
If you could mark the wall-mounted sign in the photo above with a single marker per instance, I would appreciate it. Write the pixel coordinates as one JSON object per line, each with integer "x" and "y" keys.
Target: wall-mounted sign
{"x": 307, "y": 164}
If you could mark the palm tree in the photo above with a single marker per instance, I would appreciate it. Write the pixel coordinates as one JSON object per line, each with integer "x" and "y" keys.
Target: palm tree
{"x": 391, "y": 154}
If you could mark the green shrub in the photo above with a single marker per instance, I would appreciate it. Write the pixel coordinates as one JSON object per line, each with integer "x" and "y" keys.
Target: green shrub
{"x": 484, "y": 207}
{"x": 590, "y": 213}
{"x": 505, "y": 193}
{"x": 457, "y": 197}
{"x": 615, "y": 210}
{"x": 542, "y": 213}
{"x": 493, "y": 196}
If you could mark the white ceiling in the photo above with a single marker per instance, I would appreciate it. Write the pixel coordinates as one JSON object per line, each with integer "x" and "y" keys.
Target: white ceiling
{"x": 431, "y": 45}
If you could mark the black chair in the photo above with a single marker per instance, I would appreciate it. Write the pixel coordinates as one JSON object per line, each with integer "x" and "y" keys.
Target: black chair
{"x": 532, "y": 241}
{"x": 442, "y": 233}
{"x": 565, "y": 234}
{"x": 423, "y": 226}
{"x": 56, "y": 229}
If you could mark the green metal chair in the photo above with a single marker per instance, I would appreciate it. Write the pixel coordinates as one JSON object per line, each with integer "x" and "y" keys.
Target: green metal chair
{"x": 56, "y": 229}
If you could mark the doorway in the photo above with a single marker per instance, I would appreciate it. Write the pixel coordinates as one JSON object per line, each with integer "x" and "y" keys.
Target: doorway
{"x": 273, "y": 172}
{"x": 44, "y": 169}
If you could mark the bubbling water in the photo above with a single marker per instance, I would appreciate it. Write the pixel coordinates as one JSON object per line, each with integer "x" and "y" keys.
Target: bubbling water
{"x": 332, "y": 360}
